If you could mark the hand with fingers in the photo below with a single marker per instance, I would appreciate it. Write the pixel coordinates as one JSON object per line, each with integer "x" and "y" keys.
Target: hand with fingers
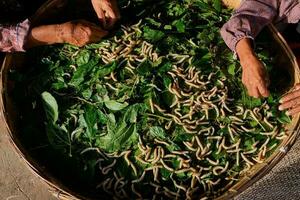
{"x": 80, "y": 32}
{"x": 254, "y": 76}
{"x": 291, "y": 101}
{"x": 107, "y": 12}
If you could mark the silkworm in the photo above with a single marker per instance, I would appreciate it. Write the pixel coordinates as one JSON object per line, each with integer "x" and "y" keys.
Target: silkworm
{"x": 212, "y": 162}
{"x": 265, "y": 143}
{"x": 166, "y": 166}
{"x": 141, "y": 160}
{"x": 246, "y": 159}
{"x": 170, "y": 156}
{"x": 271, "y": 133}
{"x": 141, "y": 145}
{"x": 189, "y": 146}
{"x": 220, "y": 169}
{"x": 168, "y": 125}
{"x": 179, "y": 186}
{"x": 225, "y": 106}
{"x": 175, "y": 103}
{"x": 174, "y": 91}
{"x": 158, "y": 108}
{"x": 213, "y": 182}
{"x": 151, "y": 105}
{"x": 233, "y": 150}
{"x": 155, "y": 174}
{"x": 169, "y": 193}
{"x": 205, "y": 175}
{"x": 248, "y": 130}
{"x": 193, "y": 85}
{"x": 181, "y": 171}
{"x": 251, "y": 151}
{"x": 188, "y": 130}
{"x": 155, "y": 155}
{"x": 199, "y": 143}
{"x": 135, "y": 192}
{"x": 111, "y": 87}
{"x": 268, "y": 123}
{"x": 230, "y": 133}
{"x": 236, "y": 119}
{"x": 180, "y": 152}
{"x": 214, "y": 137}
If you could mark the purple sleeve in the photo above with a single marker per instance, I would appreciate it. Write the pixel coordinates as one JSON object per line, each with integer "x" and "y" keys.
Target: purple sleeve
{"x": 12, "y": 38}
{"x": 250, "y": 18}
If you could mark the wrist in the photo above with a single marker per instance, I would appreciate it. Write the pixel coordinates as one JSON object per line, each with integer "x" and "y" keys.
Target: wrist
{"x": 43, "y": 35}
{"x": 59, "y": 33}
{"x": 244, "y": 50}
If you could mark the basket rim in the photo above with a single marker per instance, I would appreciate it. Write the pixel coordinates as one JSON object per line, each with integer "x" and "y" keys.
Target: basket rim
{"x": 62, "y": 192}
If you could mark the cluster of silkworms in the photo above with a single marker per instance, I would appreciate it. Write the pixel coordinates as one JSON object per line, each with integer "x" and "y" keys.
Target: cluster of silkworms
{"x": 201, "y": 104}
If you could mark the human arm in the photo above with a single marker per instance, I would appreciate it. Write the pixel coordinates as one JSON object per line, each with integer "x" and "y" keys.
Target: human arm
{"x": 254, "y": 75}
{"x": 17, "y": 38}
{"x": 239, "y": 33}
{"x": 77, "y": 33}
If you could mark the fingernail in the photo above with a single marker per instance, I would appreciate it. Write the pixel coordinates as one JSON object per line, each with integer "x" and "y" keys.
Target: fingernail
{"x": 287, "y": 113}
{"x": 280, "y": 108}
{"x": 280, "y": 101}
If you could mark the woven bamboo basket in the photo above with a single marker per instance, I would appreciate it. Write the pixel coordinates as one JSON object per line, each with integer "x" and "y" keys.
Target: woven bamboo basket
{"x": 58, "y": 189}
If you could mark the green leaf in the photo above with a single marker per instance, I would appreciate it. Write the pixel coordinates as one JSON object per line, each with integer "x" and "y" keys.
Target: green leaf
{"x": 168, "y": 27}
{"x": 82, "y": 71}
{"x": 83, "y": 57}
{"x": 231, "y": 69}
{"x": 217, "y": 5}
{"x": 90, "y": 117}
{"x": 165, "y": 67}
{"x": 157, "y": 132}
{"x": 152, "y": 34}
{"x": 114, "y": 105}
{"x": 58, "y": 137}
{"x": 153, "y": 22}
{"x": 284, "y": 118}
{"x": 180, "y": 25}
{"x": 106, "y": 69}
{"x": 50, "y": 106}
{"x": 144, "y": 68}
{"x": 132, "y": 112}
{"x": 118, "y": 137}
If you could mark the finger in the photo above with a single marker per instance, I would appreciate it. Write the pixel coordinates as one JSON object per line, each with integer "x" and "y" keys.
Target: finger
{"x": 97, "y": 35}
{"x": 98, "y": 7}
{"x": 111, "y": 22}
{"x": 101, "y": 16}
{"x": 290, "y": 96}
{"x": 111, "y": 18}
{"x": 289, "y": 104}
{"x": 293, "y": 111}
{"x": 254, "y": 92}
{"x": 263, "y": 90}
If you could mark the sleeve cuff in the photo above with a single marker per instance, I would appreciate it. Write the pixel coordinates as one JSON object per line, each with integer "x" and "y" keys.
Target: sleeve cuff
{"x": 21, "y": 33}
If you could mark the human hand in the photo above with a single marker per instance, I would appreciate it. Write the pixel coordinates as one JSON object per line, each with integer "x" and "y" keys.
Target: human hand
{"x": 107, "y": 12}
{"x": 79, "y": 33}
{"x": 254, "y": 76}
{"x": 291, "y": 101}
